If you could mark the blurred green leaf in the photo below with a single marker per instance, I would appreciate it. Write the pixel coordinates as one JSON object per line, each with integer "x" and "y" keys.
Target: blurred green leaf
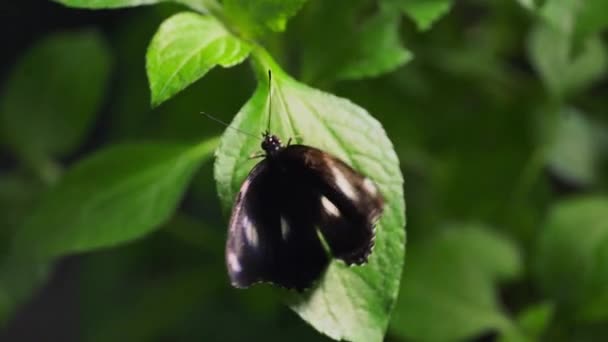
{"x": 572, "y": 259}
{"x": 158, "y": 307}
{"x": 17, "y": 195}
{"x": 106, "y": 3}
{"x": 50, "y": 102}
{"x": 592, "y": 18}
{"x": 424, "y": 12}
{"x": 199, "y": 5}
{"x": 572, "y": 148}
{"x": 535, "y": 319}
{"x": 564, "y": 66}
{"x": 116, "y": 195}
{"x": 19, "y": 279}
{"x": 529, "y": 4}
{"x": 344, "y": 48}
{"x": 258, "y": 17}
{"x": 185, "y": 48}
{"x": 451, "y": 279}
{"x": 349, "y": 303}
{"x": 378, "y": 49}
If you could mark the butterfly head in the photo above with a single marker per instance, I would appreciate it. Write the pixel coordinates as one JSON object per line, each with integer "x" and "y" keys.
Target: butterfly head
{"x": 271, "y": 143}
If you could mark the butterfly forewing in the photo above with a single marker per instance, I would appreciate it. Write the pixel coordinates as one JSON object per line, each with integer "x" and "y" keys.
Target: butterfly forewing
{"x": 347, "y": 204}
{"x": 272, "y": 234}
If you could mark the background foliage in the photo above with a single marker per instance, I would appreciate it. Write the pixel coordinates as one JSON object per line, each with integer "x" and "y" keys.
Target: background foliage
{"x": 111, "y": 226}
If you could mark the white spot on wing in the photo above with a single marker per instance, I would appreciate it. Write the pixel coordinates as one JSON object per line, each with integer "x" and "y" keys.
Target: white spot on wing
{"x": 234, "y": 263}
{"x": 284, "y": 228}
{"x": 330, "y": 208}
{"x": 370, "y": 187}
{"x": 343, "y": 183}
{"x": 250, "y": 233}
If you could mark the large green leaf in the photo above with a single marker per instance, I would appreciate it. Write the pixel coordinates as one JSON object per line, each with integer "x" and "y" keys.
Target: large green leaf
{"x": 448, "y": 290}
{"x": 258, "y": 17}
{"x": 573, "y": 257}
{"x": 50, "y": 101}
{"x": 347, "y": 47}
{"x": 424, "y": 12}
{"x": 114, "y": 196}
{"x": 349, "y": 303}
{"x": 185, "y": 48}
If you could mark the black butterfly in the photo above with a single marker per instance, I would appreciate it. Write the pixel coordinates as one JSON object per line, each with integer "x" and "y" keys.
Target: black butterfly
{"x": 290, "y": 197}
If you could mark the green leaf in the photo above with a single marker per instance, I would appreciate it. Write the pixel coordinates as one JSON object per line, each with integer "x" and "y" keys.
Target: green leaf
{"x": 158, "y": 307}
{"x": 572, "y": 148}
{"x": 349, "y": 303}
{"x": 528, "y": 4}
{"x": 378, "y": 49}
{"x": 50, "y": 102}
{"x": 185, "y": 48}
{"x": 535, "y": 319}
{"x": 199, "y": 5}
{"x": 107, "y": 3}
{"x": 344, "y": 48}
{"x": 592, "y": 18}
{"x": 18, "y": 281}
{"x": 116, "y": 195}
{"x": 572, "y": 257}
{"x": 451, "y": 279}
{"x": 17, "y": 196}
{"x": 563, "y": 71}
{"x": 424, "y": 12}
{"x": 259, "y": 17}
{"x": 566, "y": 65}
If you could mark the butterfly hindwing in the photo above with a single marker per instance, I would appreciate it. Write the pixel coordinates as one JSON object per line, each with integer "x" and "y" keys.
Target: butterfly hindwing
{"x": 271, "y": 238}
{"x": 347, "y": 204}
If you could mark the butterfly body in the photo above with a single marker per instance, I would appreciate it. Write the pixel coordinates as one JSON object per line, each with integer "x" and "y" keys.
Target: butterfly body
{"x": 297, "y": 200}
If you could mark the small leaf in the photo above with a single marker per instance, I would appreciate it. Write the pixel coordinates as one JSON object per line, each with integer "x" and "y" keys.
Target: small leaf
{"x": 185, "y": 48}
{"x": 379, "y": 49}
{"x": 116, "y": 195}
{"x": 528, "y": 4}
{"x": 451, "y": 279}
{"x": 572, "y": 257}
{"x": 572, "y": 148}
{"x": 50, "y": 102}
{"x": 345, "y": 48}
{"x": 349, "y": 303}
{"x": 424, "y": 12}
{"x": 533, "y": 320}
{"x": 565, "y": 65}
{"x": 258, "y": 17}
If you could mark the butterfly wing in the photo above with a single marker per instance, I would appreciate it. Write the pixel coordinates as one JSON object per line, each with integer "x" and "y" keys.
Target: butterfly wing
{"x": 271, "y": 236}
{"x": 348, "y": 204}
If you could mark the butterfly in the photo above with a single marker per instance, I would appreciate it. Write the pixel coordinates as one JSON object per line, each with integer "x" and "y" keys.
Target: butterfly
{"x": 295, "y": 204}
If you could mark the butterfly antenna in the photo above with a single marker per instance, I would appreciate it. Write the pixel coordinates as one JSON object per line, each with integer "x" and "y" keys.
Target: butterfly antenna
{"x": 269, "y": 99}
{"x": 228, "y": 125}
